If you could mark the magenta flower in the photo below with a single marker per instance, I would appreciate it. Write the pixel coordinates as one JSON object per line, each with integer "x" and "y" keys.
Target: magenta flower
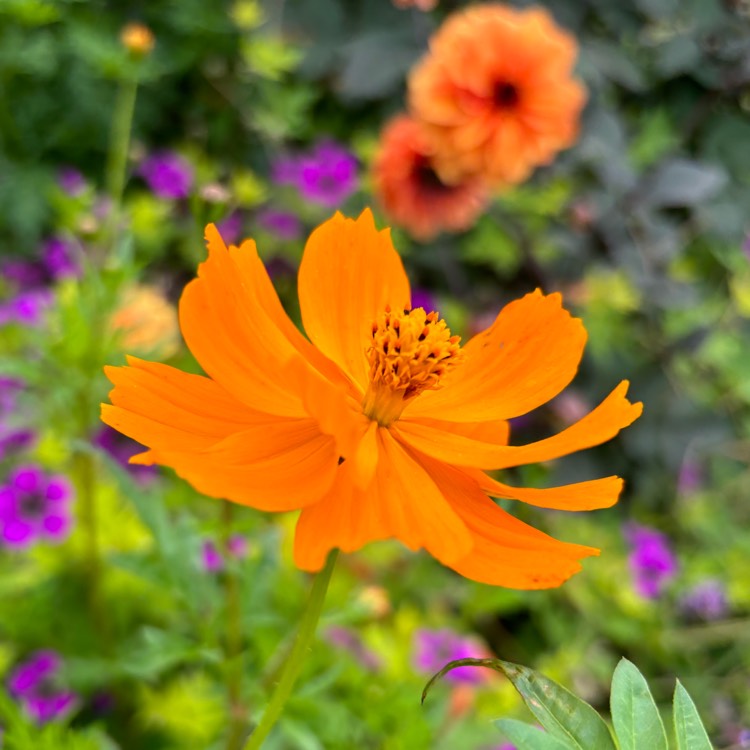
{"x": 26, "y": 308}
{"x": 71, "y": 181}
{"x": 706, "y": 600}
{"x": 652, "y": 563}
{"x": 35, "y": 684}
{"x": 230, "y": 228}
{"x": 435, "y": 648}
{"x": 121, "y": 448}
{"x": 423, "y": 298}
{"x": 34, "y": 507}
{"x": 168, "y": 175}
{"x": 25, "y": 274}
{"x": 326, "y": 175}
{"x": 15, "y": 440}
{"x": 282, "y": 224}
{"x": 58, "y": 257}
{"x": 212, "y": 560}
{"x": 348, "y": 640}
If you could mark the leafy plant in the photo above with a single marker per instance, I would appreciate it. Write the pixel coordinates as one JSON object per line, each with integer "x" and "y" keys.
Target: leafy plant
{"x": 569, "y": 723}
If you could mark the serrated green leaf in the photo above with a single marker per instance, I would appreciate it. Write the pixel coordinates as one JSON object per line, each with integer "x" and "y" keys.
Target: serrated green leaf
{"x": 688, "y": 727}
{"x": 634, "y": 713}
{"x": 560, "y": 712}
{"x": 526, "y": 737}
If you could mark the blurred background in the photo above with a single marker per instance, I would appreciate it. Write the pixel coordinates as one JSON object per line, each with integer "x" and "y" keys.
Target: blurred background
{"x": 135, "y": 613}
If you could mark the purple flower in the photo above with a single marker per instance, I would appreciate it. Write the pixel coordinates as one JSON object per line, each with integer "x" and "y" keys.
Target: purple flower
{"x": 689, "y": 478}
{"x": 238, "y": 547}
{"x": 230, "y": 228}
{"x": 71, "y": 181}
{"x": 348, "y": 640}
{"x": 168, "y": 175}
{"x": 435, "y": 648}
{"x": 26, "y": 308}
{"x": 423, "y": 298}
{"x": 706, "y": 600}
{"x": 283, "y": 224}
{"x": 15, "y": 440}
{"x": 9, "y": 389}
{"x": 121, "y": 448}
{"x": 25, "y": 274}
{"x": 211, "y": 559}
{"x": 35, "y": 684}
{"x": 652, "y": 562}
{"x": 58, "y": 257}
{"x": 326, "y": 175}
{"x": 33, "y": 507}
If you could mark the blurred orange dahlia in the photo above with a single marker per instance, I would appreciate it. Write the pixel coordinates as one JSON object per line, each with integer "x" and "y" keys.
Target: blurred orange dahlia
{"x": 410, "y": 190}
{"x": 496, "y": 93}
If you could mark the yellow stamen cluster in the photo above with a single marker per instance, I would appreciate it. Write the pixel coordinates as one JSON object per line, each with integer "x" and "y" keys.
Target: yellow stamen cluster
{"x": 411, "y": 350}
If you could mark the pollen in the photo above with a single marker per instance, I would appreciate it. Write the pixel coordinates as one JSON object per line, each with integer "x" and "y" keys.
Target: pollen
{"x": 411, "y": 351}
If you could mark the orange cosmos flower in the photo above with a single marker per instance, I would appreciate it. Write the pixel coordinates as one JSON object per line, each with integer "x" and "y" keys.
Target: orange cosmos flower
{"x": 410, "y": 190}
{"x": 496, "y": 93}
{"x": 380, "y": 424}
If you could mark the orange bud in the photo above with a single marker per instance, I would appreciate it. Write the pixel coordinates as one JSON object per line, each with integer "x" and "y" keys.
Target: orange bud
{"x": 137, "y": 39}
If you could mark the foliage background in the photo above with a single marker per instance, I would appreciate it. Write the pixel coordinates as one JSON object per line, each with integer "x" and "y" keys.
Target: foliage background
{"x": 643, "y": 226}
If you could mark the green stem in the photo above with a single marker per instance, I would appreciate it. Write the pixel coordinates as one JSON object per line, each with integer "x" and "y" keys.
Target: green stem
{"x": 233, "y": 645}
{"x": 85, "y": 477}
{"x": 119, "y": 146}
{"x": 296, "y": 658}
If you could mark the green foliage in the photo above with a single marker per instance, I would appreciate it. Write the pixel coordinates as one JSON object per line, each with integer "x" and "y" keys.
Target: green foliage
{"x": 569, "y": 723}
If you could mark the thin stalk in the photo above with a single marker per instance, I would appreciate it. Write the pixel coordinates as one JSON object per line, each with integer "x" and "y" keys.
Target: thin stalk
{"x": 293, "y": 665}
{"x": 233, "y": 645}
{"x": 119, "y": 147}
{"x": 84, "y": 472}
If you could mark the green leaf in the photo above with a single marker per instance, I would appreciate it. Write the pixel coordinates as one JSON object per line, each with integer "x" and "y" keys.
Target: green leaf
{"x": 560, "y": 712}
{"x": 526, "y": 737}
{"x": 689, "y": 729}
{"x": 634, "y": 713}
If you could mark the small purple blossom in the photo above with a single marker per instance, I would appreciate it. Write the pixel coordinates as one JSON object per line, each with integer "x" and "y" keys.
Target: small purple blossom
{"x": 26, "y": 308}
{"x": 15, "y": 440}
{"x": 71, "y": 181}
{"x": 230, "y": 228}
{"x": 35, "y": 684}
{"x": 327, "y": 174}
{"x": 423, "y": 298}
{"x": 211, "y": 559}
{"x": 348, "y": 640}
{"x": 25, "y": 274}
{"x": 168, "y": 175}
{"x": 34, "y": 507}
{"x": 435, "y": 648}
{"x": 690, "y": 477}
{"x": 652, "y": 563}
{"x": 706, "y": 600}
{"x": 282, "y": 224}
{"x": 58, "y": 256}
{"x": 9, "y": 390}
{"x": 122, "y": 448}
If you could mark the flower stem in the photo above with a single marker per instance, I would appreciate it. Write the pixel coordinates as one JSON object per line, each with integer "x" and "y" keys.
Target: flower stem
{"x": 233, "y": 643}
{"x": 119, "y": 146}
{"x": 297, "y": 655}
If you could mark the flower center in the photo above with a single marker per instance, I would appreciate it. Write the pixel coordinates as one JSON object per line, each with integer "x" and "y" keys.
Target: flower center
{"x": 32, "y": 505}
{"x": 505, "y": 95}
{"x": 411, "y": 350}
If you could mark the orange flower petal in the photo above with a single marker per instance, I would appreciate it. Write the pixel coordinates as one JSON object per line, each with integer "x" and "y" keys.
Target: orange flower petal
{"x": 402, "y": 501}
{"x": 235, "y": 326}
{"x": 591, "y": 495}
{"x": 274, "y": 467}
{"x": 600, "y": 425}
{"x": 527, "y": 356}
{"x": 506, "y": 551}
{"x": 162, "y": 407}
{"x": 349, "y": 273}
